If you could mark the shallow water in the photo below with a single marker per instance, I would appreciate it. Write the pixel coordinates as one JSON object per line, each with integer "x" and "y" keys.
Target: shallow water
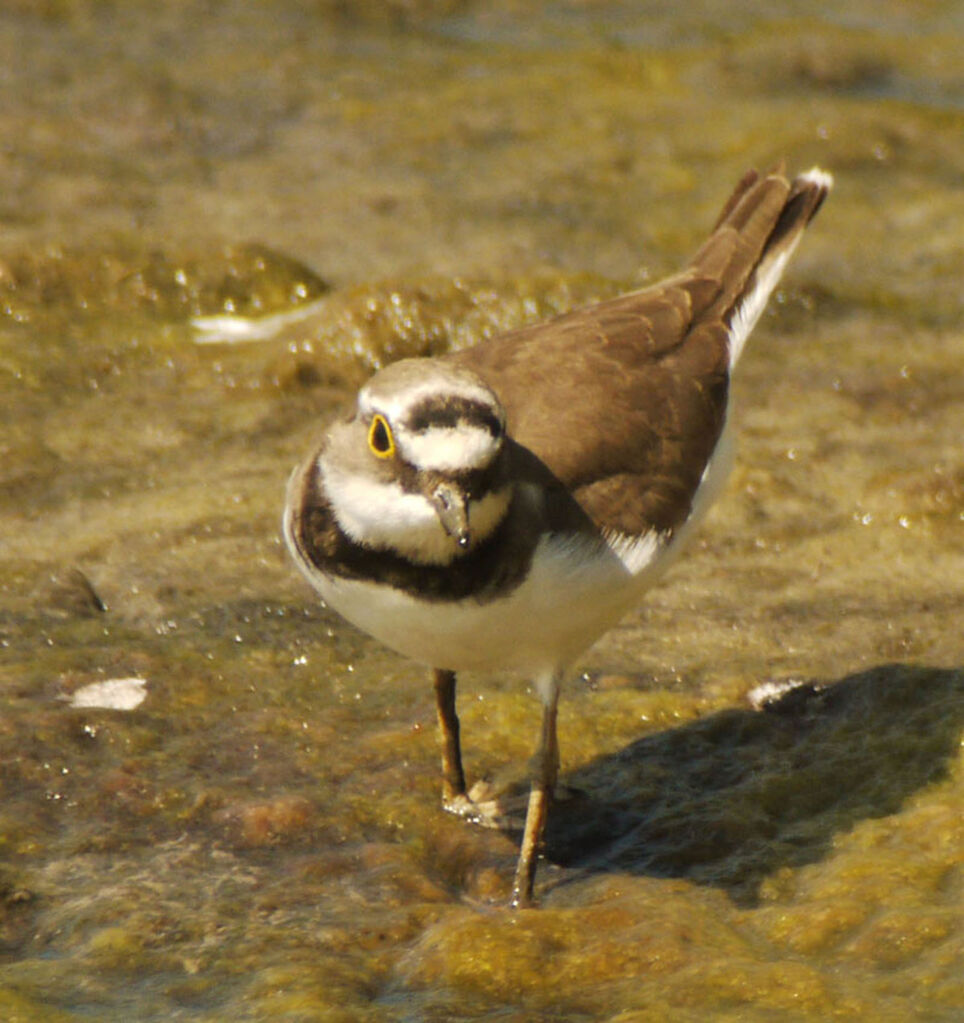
{"x": 261, "y": 837}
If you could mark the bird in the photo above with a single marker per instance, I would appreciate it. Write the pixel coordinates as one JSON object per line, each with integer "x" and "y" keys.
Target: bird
{"x": 500, "y": 507}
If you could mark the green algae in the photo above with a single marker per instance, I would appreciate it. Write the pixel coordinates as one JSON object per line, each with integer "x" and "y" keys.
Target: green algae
{"x": 261, "y": 839}
{"x": 18, "y": 1008}
{"x": 243, "y": 279}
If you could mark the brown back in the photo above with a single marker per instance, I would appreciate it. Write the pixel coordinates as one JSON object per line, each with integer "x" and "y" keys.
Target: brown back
{"x": 625, "y": 401}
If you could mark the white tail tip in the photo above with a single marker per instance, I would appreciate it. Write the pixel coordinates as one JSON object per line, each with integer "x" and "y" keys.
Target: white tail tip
{"x": 819, "y": 177}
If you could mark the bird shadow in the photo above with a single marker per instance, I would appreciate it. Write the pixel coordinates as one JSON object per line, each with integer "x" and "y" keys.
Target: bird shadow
{"x": 727, "y": 800}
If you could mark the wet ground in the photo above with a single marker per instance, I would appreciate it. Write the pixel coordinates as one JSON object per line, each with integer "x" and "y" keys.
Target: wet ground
{"x": 260, "y": 838}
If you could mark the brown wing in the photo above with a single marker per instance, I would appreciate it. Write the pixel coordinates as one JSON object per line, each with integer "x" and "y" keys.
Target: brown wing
{"x": 624, "y": 401}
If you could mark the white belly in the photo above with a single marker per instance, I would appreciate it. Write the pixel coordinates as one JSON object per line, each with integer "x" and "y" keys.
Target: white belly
{"x": 571, "y": 596}
{"x": 575, "y": 591}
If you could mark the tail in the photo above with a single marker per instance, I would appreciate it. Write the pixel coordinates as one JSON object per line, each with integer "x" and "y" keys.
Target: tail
{"x": 752, "y": 242}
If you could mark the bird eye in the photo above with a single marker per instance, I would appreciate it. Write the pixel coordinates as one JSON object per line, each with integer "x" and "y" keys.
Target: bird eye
{"x": 380, "y": 438}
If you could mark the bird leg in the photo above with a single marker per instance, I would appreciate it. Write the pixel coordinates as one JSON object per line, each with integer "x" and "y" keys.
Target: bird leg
{"x": 453, "y": 777}
{"x": 545, "y": 770}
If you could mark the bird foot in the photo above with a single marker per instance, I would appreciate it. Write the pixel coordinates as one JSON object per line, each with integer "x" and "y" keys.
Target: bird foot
{"x": 485, "y": 806}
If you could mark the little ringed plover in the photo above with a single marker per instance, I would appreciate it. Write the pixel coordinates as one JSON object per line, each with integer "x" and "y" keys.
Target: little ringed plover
{"x": 502, "y": 506}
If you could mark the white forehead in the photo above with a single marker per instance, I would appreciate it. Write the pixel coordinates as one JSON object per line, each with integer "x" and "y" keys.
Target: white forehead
{"x": 449, "y": 448}
{"x": 402, "y": 386}
{"x": 400, "y": 389}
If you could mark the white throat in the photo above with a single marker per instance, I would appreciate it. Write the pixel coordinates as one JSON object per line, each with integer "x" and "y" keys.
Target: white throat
{"x": 381, "y": 515}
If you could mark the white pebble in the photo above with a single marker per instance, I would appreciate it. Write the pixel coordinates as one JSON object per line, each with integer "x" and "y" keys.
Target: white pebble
{"x": 112, "y": 694}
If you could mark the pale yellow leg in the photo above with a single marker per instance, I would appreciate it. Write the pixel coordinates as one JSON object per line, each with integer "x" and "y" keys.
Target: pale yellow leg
{"x": 544, "y": 774}
{"x": 453, "y": 777}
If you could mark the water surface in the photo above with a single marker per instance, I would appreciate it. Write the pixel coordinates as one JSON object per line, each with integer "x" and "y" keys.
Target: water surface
{"x": 261, "y": 837}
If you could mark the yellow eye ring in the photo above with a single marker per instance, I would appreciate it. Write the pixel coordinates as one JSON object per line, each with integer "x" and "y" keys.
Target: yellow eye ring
{"x": 380, "y": 438}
